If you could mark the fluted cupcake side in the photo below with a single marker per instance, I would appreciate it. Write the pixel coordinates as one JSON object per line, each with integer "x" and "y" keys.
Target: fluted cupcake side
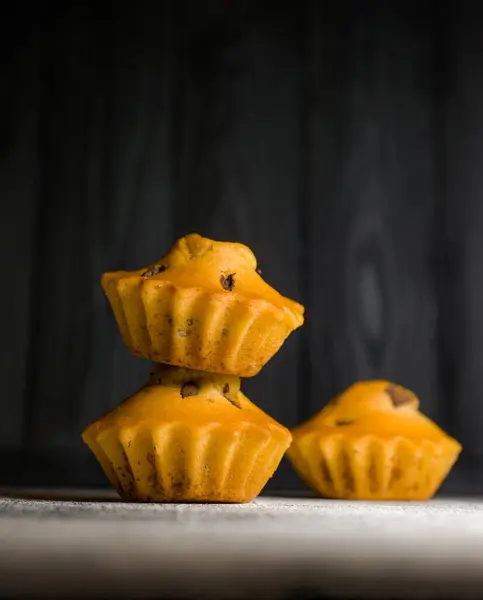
{"x": 188, "y": 327}
{"x": 192, "y": 437}
{"x": 370, "y": 468}
{"x": 373, "y": 443}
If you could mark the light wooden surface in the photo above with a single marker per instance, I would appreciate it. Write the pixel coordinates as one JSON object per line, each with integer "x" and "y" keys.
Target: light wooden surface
{"x": 271, "y": 548}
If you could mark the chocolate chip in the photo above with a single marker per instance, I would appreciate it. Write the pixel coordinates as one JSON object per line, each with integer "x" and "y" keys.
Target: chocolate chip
{"x": 231, "y": 401}
{"x": 226, "y": 390}
{"x": 398, "y": 395}
{"x": 343, "y": 423}
{"x": 228, "y": 282}
{"x": 189, "y": 389}
{"x": 154, "y": 270}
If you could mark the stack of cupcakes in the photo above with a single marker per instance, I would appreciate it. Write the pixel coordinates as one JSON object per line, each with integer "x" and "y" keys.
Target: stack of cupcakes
{"x": 206, "y": 316}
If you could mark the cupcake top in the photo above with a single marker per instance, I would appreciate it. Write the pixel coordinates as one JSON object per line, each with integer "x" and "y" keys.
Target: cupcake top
{"x": 217, "y": 267}
{"x": 380, "y": 408}
{"x": 193, "y": 398}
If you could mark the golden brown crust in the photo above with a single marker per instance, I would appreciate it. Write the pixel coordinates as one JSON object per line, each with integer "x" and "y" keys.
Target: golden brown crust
{"x": 202, "y": 306}
{"x": 188, "y": 436}
{"x": 372, "y": 442}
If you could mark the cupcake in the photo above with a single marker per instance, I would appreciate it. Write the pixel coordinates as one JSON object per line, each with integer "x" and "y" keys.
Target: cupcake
{"x": 373, "y": 443}
{"x": 187, "y": 436}
{"x": 203, "y": 306}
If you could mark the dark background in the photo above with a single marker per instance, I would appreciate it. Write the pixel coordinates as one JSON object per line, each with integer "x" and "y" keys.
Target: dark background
{"x": 342, "y": 141}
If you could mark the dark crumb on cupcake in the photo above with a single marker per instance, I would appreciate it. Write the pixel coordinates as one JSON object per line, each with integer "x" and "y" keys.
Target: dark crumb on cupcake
{"x": 189, "y": 389}
{"x": 228, "y": 282}
{"x": 343, "y": 423}
{"x": 231, "y": 401}
{"x": 225, "y": 391}
{"x": 398, "y": 395}
{"x": 154, "y": 270}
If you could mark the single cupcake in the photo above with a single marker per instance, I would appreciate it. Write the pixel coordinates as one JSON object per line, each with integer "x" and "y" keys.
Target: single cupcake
{"x": 372, "y": 443}
{"x": 202, "y": 306}
{"x": 188, "y": 436}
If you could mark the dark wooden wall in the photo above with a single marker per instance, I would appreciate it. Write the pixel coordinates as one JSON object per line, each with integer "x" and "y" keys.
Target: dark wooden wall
{"x": 341, "y": 141}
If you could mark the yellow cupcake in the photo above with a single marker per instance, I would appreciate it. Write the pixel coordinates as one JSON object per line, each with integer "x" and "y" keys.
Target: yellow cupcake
{"x": 372, "y": 443}
{"x": 188, "y": 436}
{"x": 202, "y": 306}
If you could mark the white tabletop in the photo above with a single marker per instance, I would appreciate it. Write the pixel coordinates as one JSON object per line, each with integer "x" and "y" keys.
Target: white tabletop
{"x": 81, "y": 545}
